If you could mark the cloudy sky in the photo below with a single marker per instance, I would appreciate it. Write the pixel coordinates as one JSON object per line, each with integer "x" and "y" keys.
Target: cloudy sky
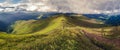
{"x": 76, "y": 6}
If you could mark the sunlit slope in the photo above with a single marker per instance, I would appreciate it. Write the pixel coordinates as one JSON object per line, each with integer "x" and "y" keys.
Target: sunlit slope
{"x": 54, "y": 33}
{"x": 40, "y": 26}
{"x": 68, "y": 39}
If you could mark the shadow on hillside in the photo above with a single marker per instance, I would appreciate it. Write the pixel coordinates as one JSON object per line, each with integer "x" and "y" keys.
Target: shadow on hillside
{"x": 82, "y": 23}
{"x": 41, "y": 26}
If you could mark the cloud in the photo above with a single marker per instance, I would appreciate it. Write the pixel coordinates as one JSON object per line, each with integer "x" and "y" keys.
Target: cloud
{"x": 86, "y": 6}
{"x": 76, "y": 6}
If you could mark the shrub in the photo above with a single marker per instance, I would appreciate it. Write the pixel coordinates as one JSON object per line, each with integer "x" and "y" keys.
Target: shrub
{"x": 115, "y": 32}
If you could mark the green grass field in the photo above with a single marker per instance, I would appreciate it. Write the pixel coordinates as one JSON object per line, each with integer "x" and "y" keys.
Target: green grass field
{"x": 55, "y": 33}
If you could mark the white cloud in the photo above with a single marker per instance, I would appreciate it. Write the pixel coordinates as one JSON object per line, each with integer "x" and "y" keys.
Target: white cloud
{"x": 77, "y": 6}
{"x": 1, "y": 10}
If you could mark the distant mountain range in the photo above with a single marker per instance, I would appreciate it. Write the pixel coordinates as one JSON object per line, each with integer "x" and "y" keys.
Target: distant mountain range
{"x": 9, "y": 18}
{"x": 113, "y": 20}
{"x": 97, "y": 16}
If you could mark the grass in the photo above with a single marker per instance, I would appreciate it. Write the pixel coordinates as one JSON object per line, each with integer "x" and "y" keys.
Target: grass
{"x": 55, "y": 33}
{"x": 92, "y": 27}
{"x": 59, "y": 39}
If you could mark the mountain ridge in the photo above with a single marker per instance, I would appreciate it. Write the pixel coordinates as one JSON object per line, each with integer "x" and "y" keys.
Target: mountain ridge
{"x": 54, "y": 33}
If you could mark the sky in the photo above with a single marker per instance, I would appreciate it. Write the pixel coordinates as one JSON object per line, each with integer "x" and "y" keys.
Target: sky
{"x": 75, "y": 6}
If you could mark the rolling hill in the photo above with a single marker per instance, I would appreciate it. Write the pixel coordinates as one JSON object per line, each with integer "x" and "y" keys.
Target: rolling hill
{"x": 59, "y": 32}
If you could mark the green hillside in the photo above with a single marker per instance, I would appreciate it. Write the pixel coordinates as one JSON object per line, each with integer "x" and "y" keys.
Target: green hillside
{"x": 59, "y": 32}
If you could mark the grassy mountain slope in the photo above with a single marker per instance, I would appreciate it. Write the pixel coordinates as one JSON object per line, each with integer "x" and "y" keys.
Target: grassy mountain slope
{"x": 54, "y": 33}
{"x": 31, "y": 26}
